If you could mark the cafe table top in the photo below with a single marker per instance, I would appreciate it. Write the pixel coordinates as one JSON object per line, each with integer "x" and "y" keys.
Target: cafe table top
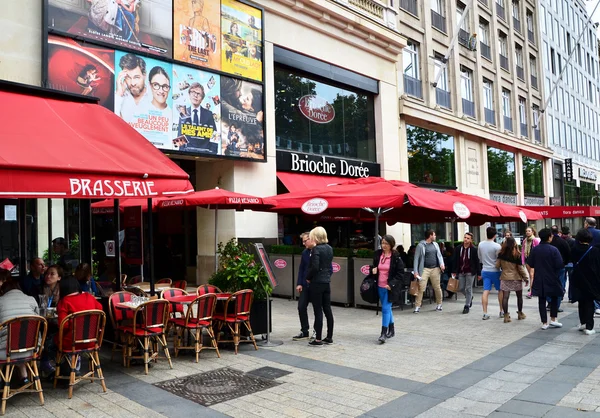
{"x": 145, "y": 286}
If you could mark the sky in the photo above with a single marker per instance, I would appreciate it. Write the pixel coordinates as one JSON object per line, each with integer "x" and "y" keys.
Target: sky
{"x": 590, "y": 4}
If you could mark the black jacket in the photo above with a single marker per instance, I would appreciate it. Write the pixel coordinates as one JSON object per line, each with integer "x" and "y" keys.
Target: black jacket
{"x": 585, "y": 277}
{"x": 563, "y": 247}
{"x": 474, "y": 261}
{"x": 396, "y": 265}
{"x": 546, "y": 262}
{"x": 320, "y": 269}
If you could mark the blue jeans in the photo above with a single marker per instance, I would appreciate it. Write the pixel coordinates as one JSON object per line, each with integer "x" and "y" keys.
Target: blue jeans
{"x": 563, "y": 280}
{"x": 386, "y": 308}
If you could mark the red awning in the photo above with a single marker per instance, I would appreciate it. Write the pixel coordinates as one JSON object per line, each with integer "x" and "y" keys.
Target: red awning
{"x": 561, "y": 212}
{"x": 56, "y": 148}
{"x": 296, "y": 182}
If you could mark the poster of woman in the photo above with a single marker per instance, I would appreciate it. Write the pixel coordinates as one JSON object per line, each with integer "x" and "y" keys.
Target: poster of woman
{"x": 196, "y": 31}
{"x": 242, "y": 129}
{"x": 242, "y": 39}
{"x": 196, "y": 111}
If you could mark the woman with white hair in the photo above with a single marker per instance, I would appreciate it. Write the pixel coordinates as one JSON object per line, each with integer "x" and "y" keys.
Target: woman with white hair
{"x": 319, "y": 277}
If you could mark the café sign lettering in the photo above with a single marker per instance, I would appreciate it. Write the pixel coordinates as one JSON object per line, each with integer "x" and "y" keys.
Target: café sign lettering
{"x": 110, "y": 188}
{"x": 316, "y": 109}
{"x": 324, "y": 165}
{"x": 584, "y": 173}
{"x": 504, "y": 198}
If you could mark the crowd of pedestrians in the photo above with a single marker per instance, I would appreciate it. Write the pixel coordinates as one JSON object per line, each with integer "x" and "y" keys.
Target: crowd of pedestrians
{"x": 544, "y": 263}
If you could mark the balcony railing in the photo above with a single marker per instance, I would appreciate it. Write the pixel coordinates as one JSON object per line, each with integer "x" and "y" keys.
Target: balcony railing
{"x": 490, "y": 116}
{"x": 463, "y": 37}
{"x": 468, "y": 107}
{"x": 517, "y": 24}
{"x": 531, "y": 37}
{"x": 534, "y": 82}
{"x": 537, "y": 136}
{"x": 484, "y": 2}
{"x": 500, "y": 12}
{"x": 508, "y": 123}
{"x": 520, "y": 73}
{"x": 438, "y": 21}
{"x": 504, "y": 62}
{"x": 486, "y": 51}
{"x": 377, "y": 10}
{"x": 524, "y": 131}
{"x": 410, "y": 6}
{"x": 443, "y": 98}
{"x": 413, "y": 87}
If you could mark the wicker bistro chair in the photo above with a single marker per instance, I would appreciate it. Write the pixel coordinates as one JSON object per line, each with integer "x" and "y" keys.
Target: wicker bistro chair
{"x": 207, "y": 288}
{"x": 150, "y": 321}
{"x": 119, "y": 318}
{"x": 123, "y": 280}
{"x": 177, "y": 309}
{"x": 180, "y": 284}
{"x": 199, "y": 316}
{"x": 242, "y": 302}
{"x": 165, "y": 281}
{"x": 87, "y": 331}
{"x": 134, "y": 280}
{"x": 25, "y": 337}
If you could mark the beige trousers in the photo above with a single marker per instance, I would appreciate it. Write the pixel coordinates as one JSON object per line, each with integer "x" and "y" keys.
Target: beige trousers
{"x": 433, "y": 275}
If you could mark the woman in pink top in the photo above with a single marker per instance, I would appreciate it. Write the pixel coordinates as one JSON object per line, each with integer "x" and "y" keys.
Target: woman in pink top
{"x": 529, "y": 243}
{"x": 387, "y": 265}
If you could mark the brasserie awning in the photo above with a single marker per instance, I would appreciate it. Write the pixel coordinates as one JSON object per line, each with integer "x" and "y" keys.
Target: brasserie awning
{"x": 61, "y": 146}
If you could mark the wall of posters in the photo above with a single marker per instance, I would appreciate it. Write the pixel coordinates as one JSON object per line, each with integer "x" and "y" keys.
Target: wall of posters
{"x": 82, "y": 69}
{"x": 242, "y": 39}
{"x": 242, "y": 119}
{"x": 143, "y": 96}
{"x": 197, "y": 32}
{"x": 143, "y": 25}
{"x": 196, "y": 111}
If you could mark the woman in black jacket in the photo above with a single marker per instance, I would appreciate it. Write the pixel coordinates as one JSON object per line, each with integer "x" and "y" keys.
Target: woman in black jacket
{"x": 319, "y": 278}
{"x": 585, "y": 278}
{"x": 387, "y": 266}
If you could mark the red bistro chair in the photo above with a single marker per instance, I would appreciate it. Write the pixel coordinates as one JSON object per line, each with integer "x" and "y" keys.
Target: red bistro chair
{"x": 242, "y": 302}
{"x": 165, "y": 281}
{"x": 176, "y": 308}
{"x": 199, "y": 316}
{"x": 135, "y": 279}
{"x": 207, "y": 288}
{"x": 119, "y": 318}
{"x": 150, "y": 321}
{"x": 87, "y": 330}
{"x": 180, "y": 284}
{"x": 25, "y": 337}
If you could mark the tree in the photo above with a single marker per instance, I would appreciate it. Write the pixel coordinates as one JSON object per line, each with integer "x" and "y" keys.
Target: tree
{"x": 430, "y": 156}
{"x": 501, "y": 170}
{"x": 533, "y": 179}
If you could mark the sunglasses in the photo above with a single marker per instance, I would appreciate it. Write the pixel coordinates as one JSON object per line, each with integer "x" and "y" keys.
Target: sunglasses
{"x": 304, "y": 241}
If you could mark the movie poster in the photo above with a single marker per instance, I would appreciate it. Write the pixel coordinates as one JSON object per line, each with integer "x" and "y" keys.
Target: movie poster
{"x": 143, "y": 96}
{"x": 242, "y": 40}
{"x": 242, "y": 119}
{"x": 196, "y": 32}
{"x": 196, "y": 111}
{"x": 81, "y": 68}
{"x": 142, "y": 25}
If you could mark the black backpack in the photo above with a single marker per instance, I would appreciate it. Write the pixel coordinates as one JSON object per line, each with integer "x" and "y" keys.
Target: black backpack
{"x": 368, "y": 289}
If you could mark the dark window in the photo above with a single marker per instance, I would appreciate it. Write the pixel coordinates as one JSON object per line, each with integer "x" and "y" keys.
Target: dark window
{"x": 343, "y": 124}
{"x": 501, "y": 170}
{"x": 586, "y": 192}
{"x": 430, "y": 156}
{"x": 570, "y": 193}
{"x": 533, "y": 178}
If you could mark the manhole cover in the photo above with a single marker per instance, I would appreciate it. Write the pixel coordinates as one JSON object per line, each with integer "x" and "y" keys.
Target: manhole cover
{"x": 269, "y": 372}
{"x": 216, "y": 386}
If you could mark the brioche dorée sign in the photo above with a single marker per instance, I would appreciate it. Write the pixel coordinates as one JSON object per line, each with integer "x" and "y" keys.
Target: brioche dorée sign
{"x": 316, "y": 109}
{"x": 297, "y": 162}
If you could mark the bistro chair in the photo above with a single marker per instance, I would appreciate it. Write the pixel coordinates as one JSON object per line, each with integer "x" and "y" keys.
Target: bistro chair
{"x": 165, "y": 281}
{"x": 84, "y": 332}
{"x": 119, "y": 318}
{"x": 180, "y": 284}
{"x": 136, "y": 291}
{"x": 25, "y": 337}
{"x": 207, "y": 288}
{"x": 135, "y": 279}
{"x": 242, "y": 302}
{"x": 176, "y": 308}
{"x": 150, "y": 321}
{"x": 199, "y": 316}
{"x": 123, "y": 280}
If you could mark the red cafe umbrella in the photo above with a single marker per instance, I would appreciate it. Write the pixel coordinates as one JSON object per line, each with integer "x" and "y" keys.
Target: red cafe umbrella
{"x": 216, "y": 199}
{"x": 506, "y": 213}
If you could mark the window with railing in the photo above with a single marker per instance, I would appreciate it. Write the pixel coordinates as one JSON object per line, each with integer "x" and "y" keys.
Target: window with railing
{"x": 530, "y": 27}
{"x": 488, "y": 102}
{"x": 533, "y": 71}
{"x": 516, "y": 15}
{"x": 484, "y": 2}
{"x": 438, "y": 21}
{"x": 503, "y": 51}
{"x": 410, "y": 6}
{"x": 442, "y": 92}
{"x": 484, "y": 39}
{"x": 466, "y": 91}
{"x": 410, "y": 58}
{"x": 523, "y": 116}
{"x": 506, "y": 112}
{"x": 500, "y": 9}
{"x": 519, "y": 62}
{"x": 464, "y": 29}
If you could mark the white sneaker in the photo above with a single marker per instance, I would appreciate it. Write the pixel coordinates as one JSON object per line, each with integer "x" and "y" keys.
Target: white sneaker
{"x": 485, "y": 317}
{"x": 555, "y": 324}
{"x": 544, "y": 326}
{"x": 439, "y": 308}
{"x": 581, "y": 327}
{"x": 597, "y": 312}
{"x": 589, "y": 331}
{"x": 417, "y": 309}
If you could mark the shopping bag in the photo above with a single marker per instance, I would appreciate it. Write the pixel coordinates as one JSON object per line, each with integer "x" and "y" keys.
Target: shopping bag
{"x": 452, "y": 285}
{"x": 414, "y": 288}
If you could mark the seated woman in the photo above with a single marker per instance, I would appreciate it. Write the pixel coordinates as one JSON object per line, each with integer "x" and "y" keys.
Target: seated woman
{"x": 83, "y": 274}
{"x": 50, "y": 289}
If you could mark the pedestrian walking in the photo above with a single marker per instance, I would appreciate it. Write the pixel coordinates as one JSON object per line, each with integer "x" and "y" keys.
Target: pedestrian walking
{"x": 530, "y": 242}
{"x": 488, "y": 255}
{"x": 428, "y": 265}
{"x": 302, "y": 287}
{"x": 387, "y": 265}
{"x": 585, "y": 278}
{"x": 319, "y": 280}
{"x": 565, "y": 253}
{"x": 465, "y": 266}
{"x": 590, "y": 225}
{"x": 512, "y": 277}
{"x": 546, "y": 263}
{"x": 565, "y": 233}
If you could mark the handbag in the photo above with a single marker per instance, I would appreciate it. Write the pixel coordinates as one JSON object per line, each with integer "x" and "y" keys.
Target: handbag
{"x": 452, "y": 285}
{"x": 414, "y": 288}
{"x": 368, "y": 289}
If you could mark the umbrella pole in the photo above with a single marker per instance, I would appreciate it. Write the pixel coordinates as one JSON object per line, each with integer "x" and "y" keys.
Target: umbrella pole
{"x": 216, "y": 238}
{"x": 150, "y": 247}
{"x": 376, "y": 240}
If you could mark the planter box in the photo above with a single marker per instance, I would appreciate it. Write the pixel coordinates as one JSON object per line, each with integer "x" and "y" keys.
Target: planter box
{"x": 341, "y": 281}
{"x": 258, "y": 318}
{"x": 359, "y": 276}
{"x": 283, "y": 267}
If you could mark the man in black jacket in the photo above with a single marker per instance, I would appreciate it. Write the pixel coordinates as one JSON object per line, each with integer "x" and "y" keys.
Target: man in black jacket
{"x": 302, "y": 288}
{"x": 465, "y": 265}
{"x": 565, "y": 252}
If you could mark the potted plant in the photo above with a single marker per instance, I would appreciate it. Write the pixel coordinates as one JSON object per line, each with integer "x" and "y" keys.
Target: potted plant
{"x": 239, "y": 270}
{"x": 285, "y": 265}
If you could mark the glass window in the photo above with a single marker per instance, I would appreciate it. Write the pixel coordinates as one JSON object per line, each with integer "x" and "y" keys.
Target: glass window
{"x": 515, "y": 10}
{"x": 484, "y": 32}
{"x": 501, "y": 170}
{"x": 443, "y": 80}
{"x": 522, "y": 111}
{"x": 438, "y": 7}
{"x": 430, "y": 156}
{"x": 502, "y": 44}
{"x": 460, "y": 8}
{"x": 533, "y": 179}
{"x": 466, "y": 84}
{"x": 350, "y": 128}
{"x": 532, "y": 66}
{"x": 506, "y": 103}
{"x": 488, "y": 98}
{"x": 529, "y": 21}
{"x": 410, "y": 58}
{"x": 519, "y": 55}
{"x": 543, "y": 15}
{"x": 586, "y": 192}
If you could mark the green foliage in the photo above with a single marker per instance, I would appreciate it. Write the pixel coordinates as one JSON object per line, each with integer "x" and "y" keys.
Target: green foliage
{"x": 285, "y": 249}
{"x": 501, "y": 170}
{"x": 239, "y": 270}
{"x": 430, "y": 156}
{"x": 364, "y": 253}
{"x": 343, "y": 252}
{"x": 533, "y": 179}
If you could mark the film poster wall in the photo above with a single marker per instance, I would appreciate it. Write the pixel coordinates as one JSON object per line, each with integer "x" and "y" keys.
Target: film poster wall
{"x": 184, "y": 106}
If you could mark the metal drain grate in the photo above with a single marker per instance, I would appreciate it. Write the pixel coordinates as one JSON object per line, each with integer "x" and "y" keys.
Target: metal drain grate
{"x": 269, "y": 373}
{"x": 216, "y": 386}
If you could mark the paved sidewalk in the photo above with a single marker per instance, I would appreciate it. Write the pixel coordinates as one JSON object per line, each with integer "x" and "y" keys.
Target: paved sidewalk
{"x": 440, "y": 364}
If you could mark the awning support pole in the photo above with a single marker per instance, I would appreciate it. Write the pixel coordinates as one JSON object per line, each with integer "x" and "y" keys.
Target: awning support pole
{"x": 216, "y": 238}
{"x": 150, "y": 246}
{"x": 49, "y": 233}
{"x": 85, "y": 232}
{"x": 22, "y": 217}
{"x": 117, "y": 226}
